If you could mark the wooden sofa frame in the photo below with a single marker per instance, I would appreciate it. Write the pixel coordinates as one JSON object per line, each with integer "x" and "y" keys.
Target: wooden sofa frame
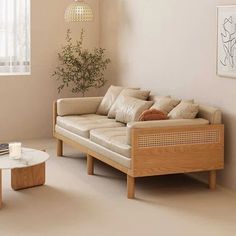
{"x": 162, "y": 151}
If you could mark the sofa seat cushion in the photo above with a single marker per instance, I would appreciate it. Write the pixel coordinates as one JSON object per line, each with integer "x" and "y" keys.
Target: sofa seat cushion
{"x": 81, "y": 125}
{"x": 100, "y": 150}
{"x": 114, "y": 139}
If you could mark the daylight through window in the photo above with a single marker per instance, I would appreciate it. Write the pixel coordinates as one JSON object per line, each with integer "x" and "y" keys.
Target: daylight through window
{"x": 14, "y": 37}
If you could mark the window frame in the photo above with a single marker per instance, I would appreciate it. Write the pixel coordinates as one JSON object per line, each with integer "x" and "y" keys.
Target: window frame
{"x": 30, "y": 48}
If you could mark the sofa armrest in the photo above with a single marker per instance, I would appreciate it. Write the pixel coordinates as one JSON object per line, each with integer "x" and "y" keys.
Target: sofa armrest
{"x": 179, "y": 149}
{"x": 78, "y": 106}
{"x": 162, "y": 124}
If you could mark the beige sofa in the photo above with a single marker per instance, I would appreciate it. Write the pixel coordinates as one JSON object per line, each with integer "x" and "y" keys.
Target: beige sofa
{"x": 141, "y": 148}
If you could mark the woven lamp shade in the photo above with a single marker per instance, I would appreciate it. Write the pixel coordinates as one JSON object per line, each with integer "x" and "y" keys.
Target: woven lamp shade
{"x": 78, "y": 11}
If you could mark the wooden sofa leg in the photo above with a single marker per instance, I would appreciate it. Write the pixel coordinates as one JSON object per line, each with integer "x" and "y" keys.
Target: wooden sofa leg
{"x": 90, "y": 165}
{"x": 130, "y": 187}
{"x": 59, "y": 147}
{"x": 212, "y": 179}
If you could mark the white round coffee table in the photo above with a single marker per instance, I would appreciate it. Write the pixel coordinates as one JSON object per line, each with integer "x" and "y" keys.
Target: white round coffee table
{"x": 26, "y": 172}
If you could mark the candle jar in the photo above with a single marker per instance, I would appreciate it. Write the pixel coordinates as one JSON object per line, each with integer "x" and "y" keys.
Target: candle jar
{"x": 15, "y": 150}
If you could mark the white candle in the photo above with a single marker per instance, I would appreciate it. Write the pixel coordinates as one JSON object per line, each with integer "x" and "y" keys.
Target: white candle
{"x": 15, "y": 150}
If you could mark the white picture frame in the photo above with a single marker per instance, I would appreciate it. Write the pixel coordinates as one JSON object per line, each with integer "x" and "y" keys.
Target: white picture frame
{"x": 226, "y": 41}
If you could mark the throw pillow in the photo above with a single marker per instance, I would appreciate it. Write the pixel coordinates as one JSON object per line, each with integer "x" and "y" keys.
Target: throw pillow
{"x": 152, "y": 114}
{"x": 139, "y": 94}
{"x": 109, "y": 98}
{"x": 131, "y": 109}
{"x": 184, "y": 110}
{"x": 165, "y": 104}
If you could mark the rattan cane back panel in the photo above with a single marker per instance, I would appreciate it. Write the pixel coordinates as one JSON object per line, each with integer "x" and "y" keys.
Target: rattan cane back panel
{"x": 179, "y": 138}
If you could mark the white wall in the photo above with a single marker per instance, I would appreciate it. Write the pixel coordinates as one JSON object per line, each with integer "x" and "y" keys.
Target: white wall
{"x": 26, "y": 101}
{"x": 170, "y": 48}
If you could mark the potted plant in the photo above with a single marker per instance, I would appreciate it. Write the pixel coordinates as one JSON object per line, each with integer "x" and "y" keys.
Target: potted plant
{"x": 81, "y": 68}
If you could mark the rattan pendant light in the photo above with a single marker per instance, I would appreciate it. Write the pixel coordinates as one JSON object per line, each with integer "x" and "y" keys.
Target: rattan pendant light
{"x": 78, "y": 11}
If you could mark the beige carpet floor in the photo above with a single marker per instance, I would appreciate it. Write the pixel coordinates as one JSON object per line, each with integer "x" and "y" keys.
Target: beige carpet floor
{"x": 75, "y": 204}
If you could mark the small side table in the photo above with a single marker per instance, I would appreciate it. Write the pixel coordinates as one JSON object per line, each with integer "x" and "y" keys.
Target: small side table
{"x": 27, "y": 172}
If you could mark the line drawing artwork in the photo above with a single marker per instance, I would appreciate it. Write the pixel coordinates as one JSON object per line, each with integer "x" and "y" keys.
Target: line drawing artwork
{"x": 228, "y": 39}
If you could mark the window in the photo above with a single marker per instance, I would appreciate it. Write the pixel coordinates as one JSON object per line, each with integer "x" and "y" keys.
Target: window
{"x": 14, "y": 37}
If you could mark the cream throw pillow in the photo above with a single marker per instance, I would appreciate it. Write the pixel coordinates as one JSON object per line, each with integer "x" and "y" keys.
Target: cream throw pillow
{"x": 139, "y": 94}
{"x": 185, "y": 110}
{"x": 131, "y": 109}
{"x": 155, "y": 98}
{"x": 109, "y": 98}
{"x": 165, "y": 104}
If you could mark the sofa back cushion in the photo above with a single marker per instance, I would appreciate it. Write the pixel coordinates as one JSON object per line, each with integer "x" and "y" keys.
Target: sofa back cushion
{"x": 78, "y": 106}
{"x": 185, "y": 110}
{"x": 108, "y": 100}
{"x": 131, "y": 109}
{"x": 138, "y": 94}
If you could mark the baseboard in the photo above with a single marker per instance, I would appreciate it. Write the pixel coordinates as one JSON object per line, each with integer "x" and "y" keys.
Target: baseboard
{"x": 203, "y": 177}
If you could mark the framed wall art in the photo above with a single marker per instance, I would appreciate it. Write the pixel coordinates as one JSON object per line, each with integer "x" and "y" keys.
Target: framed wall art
{"x": 226, "y": 56}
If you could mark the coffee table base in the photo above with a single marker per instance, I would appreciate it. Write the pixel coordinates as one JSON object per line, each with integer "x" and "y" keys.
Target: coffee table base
{"x": 28, "y": 177}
